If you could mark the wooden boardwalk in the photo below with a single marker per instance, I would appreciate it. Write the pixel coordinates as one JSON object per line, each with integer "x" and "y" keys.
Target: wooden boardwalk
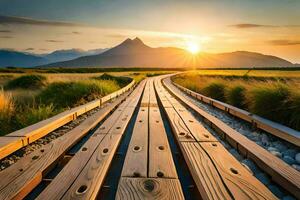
{"x": 148, "y": 170}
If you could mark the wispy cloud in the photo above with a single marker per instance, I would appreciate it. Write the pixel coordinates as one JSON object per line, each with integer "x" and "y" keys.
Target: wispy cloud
{"x": 247, "y": 25}
{"x": 6, "y": 37}
{"x": 5, "y": 31}
{"x": 76, "y": 32}
{"x": 54, "y": 41}
{"x": 30, "y": 21}
{"x": 29, "y": 49}
{"x": 284, "y": 42}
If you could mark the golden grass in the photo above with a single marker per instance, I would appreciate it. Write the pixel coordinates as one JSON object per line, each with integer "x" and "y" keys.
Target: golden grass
{"x": 6, "y": 104}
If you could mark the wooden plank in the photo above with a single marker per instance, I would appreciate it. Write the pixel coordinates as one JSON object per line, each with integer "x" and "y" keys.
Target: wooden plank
{"x": 209, "y": 183}
{"x": 109, "y": 133}
{"x": 19, "y": 179}
{"x": 180, "y": 130}
{"x": 196, "y": 128}
{"x": 146, "y": 95}
{"x": 135, "y": 164}
{"x": 152, "y": 96}
{"x": 11, "y": 144}
{"x": 149, "y": 188}
{"x": 281, "y": 173}
{"x": 89, "y": 181}
{"x": 238, "y": 180}
{"x": 160, "y": 157}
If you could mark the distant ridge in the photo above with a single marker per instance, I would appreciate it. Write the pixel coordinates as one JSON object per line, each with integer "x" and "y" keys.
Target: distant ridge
{"x": 134, "y": 53}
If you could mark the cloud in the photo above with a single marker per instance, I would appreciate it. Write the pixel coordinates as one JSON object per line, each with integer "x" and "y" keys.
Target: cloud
{"x": 252, "y": 26}
{"x": 29, "y": 49}
{"x": 5, "y": 31}
{"x": 6, "y": 37}
{"x": 284, "y": 42}
{"x": 244, "y": 26}
{"x": 76, "y": 32}
{"x": 30, "y": 21}
{"x": 54, "y": 41}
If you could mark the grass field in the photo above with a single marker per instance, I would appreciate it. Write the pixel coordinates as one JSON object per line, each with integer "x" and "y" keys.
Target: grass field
{"x": 29, "y": 97}
{"x": 271, "y": 94}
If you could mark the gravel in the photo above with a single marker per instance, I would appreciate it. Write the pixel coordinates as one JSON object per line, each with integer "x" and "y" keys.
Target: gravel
{"x": 13, "y": 158}
{"x": 286, "y": 151}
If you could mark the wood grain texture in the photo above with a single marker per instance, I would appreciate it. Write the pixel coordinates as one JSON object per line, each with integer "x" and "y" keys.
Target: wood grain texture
{"x": 238, "y": 180}
{"x": 160, "y": 157}
{"x": 136, "y": 157}
{"x": 209, "y": 183}
{"x": 21, "y": 177}
{"x": 94, "y": 158}
{"x": 146, "y": 94}
{"x": 147, "y": 188}
{"x": 90, "y": 179}
{"x": 281, "y": 173}
{"x": 180, "y": 130}
{"x": 11, "y": 144}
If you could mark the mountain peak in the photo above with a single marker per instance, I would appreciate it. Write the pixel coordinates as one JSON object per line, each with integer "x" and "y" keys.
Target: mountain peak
{"x": 135, "y": 41}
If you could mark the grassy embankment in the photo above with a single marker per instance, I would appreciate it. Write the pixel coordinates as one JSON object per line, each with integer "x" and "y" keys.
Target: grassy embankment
{"x": 274, "y": 97}
{"x": 27, "y": 99}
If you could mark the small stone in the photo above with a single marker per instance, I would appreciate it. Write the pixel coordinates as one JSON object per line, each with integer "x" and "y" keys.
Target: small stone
{"x": 297, "y": 167}
{"x": 276, "y": 153}
{"x": 290, "y": 152}
{"x": 288, "y": 198}
{"x": 289, "y": 160}
{"x": 248, "y": 168}
{"x": 265, "y": 140}
{"x": 272, "y": 149}
{"x": 275, "y": 190}
{"x": 297, "y": 158}
{"x": 251, "y": 165}
{"x": 263, "y": 178}
{"x": 280, "y": 146}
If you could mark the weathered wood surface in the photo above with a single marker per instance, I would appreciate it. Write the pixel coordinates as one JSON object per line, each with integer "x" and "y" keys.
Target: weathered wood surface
{"x": 11, "y": 144}
{"x": 19, "y": 179}
{"x": 83, "y": 176}
{"x": 149, "y": 188}
{"x": 135, "y": 164}
{"x": 149, "y": 158}
{"x": 36, "y": 131}
{"x": 281, "y": 173}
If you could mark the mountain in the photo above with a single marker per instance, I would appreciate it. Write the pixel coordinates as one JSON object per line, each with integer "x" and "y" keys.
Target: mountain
{"x": 24, "y": 59}
{"x": 134, "y": 53}
{"x": 20, "y": 59}
{"x": 70, "y": 54}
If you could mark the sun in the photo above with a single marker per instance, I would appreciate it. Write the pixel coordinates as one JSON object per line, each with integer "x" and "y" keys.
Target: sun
{"x": 193, "y": 47}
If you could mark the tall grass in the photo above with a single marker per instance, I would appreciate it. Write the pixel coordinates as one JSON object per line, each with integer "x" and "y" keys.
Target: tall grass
{"x": 6, "y": 111}
{"x": 274, "y": 99}
{"x": 69, "y": 94}
{"x": 22, "y": 107}
{"x": 27, "y": 82}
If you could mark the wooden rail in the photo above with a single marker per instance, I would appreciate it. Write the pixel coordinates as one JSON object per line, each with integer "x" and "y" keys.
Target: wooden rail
{"x": 281, "y": 173}
{"x": 269, "y": 126}
{"x": 18, "y": 139}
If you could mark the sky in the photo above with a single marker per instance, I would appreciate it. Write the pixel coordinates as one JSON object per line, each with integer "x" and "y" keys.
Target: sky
{"x": 265, "y": 26}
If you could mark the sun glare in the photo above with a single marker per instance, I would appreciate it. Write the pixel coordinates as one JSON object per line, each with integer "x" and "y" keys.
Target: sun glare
{"x": 193, "y": 47}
